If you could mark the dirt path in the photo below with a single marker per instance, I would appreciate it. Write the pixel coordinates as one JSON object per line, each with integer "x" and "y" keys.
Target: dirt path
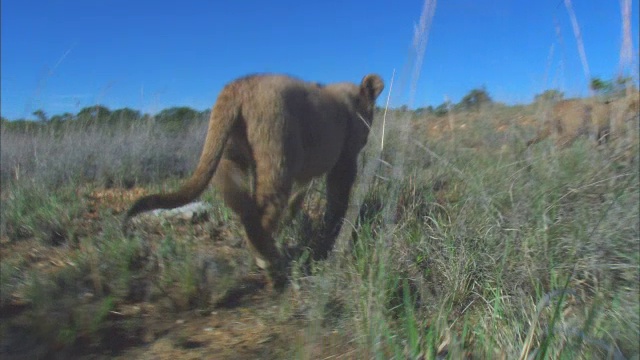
{"x": 249, "y": 322}
{"x": 249, "y": 331}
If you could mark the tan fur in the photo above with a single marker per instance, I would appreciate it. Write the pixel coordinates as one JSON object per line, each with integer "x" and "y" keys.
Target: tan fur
{"x": 278, "y": 130}
{"x": 570, "y": 119}
{"x": 625, "y": 112}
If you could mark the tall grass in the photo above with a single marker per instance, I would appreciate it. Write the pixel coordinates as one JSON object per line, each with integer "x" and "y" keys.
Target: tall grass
{"x": 461, "y": 241}
{"x": 478, "y": 246}
{"x": 474, "y": 256}
{"x": 40, "y": 168}
{"x": 471, "y": 257}
{"x": 137, "y": 153}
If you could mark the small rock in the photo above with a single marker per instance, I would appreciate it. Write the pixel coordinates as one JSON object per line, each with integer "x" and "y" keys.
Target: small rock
{"x": 193, "y": 212}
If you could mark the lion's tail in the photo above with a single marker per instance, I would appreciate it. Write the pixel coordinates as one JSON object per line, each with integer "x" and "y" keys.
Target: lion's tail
{"x": 224, "y": 115}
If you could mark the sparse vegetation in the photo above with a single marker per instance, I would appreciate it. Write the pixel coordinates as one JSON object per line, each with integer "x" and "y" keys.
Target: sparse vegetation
{"x": 482, "y": 248}
{"x": 475, "y": 99}
{"x": 465, "y": 238}
{"x": 611, "y": 88}
{"x": 549, "y": 96}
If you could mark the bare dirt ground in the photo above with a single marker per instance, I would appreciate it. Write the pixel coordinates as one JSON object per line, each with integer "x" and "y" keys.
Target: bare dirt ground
{"x": 248, "y": 321}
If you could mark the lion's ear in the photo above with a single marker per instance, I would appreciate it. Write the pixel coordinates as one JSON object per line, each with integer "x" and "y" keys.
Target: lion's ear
{"x": 371, "y": 86}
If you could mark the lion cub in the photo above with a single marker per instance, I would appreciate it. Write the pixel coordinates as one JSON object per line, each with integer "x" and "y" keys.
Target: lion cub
{"x": 281, "y": 130}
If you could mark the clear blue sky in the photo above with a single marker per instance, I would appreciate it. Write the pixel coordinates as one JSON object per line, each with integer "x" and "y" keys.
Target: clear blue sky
{"x": 149, "y": 55}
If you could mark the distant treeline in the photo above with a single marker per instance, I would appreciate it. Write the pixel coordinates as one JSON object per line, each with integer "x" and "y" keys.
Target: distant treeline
{"x": 173, "y": 118}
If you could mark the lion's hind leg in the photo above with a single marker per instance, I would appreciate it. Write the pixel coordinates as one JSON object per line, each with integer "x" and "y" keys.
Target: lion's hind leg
{"x": 261, "y": 219}
{"x": 259, "y": 211}
{"x": 231, "y": 181}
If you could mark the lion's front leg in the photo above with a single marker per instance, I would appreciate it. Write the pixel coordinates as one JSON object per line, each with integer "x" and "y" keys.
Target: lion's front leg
{"x": 339, "y": 182}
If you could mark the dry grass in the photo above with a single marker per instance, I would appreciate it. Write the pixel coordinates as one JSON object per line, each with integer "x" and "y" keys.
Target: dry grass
{"x": 125, "y": 155}
{"x": 463, "y": 243}
{"x": 469, "y": 259}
